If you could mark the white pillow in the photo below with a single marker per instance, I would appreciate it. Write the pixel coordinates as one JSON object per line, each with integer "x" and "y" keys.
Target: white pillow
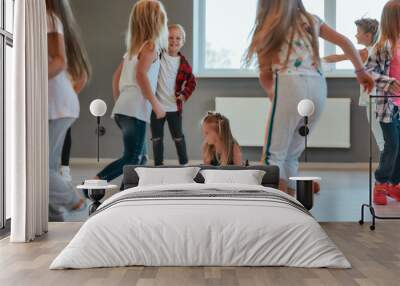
{"x": 166, "y": 176}
{"x": 247, "y": 177}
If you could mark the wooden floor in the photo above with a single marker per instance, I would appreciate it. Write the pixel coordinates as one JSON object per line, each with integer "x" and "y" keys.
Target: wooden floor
{"x": 375, "y": 257}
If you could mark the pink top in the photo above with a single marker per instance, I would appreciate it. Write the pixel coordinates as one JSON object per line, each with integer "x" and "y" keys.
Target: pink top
{"x": 395, "y": 70}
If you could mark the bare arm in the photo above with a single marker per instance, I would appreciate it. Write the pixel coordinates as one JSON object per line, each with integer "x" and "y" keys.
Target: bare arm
{"x": 80, "y": 83}
{"x": 206, "y": 159}
{"x": 266, "y": 76}
{"x": 145, "y": 60}
{"x": 56, "y": 51}
{"x": 350, "y": 51}
{"x": 335, "y": 58}
{"x": 342, "y": 57}
{"x": 115, "y": 81}
{"x": 237, "y": 156}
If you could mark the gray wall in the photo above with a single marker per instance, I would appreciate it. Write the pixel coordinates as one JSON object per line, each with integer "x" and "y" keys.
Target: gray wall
{"x": 103, "y": 23}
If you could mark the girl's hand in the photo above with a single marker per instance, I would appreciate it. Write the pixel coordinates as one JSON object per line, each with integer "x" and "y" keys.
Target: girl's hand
{"x": 395, "y": 87}
{"x": 270, "y": 89}
{"x": 181, "y": 97}
{"x": 366, "y": 80}
{"x": 159, "y": 110}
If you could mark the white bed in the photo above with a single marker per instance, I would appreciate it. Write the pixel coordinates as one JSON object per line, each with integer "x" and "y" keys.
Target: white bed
{"x": 268, "y": 228}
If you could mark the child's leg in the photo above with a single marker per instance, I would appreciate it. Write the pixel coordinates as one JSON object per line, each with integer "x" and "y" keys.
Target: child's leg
{"x": 376, "y": 128}
{"x": 316, "y": 91}
{"x": 283, "y": 122}
{"x": 388, "y": 159}
{"x": 174, "y": 120}
{"x": 66, "y": 150}
{"x": 133, "y": 131}
{"x": 157, "y": 137}
{"x": 144, "y": 157}
{"x": 395, "y": 177}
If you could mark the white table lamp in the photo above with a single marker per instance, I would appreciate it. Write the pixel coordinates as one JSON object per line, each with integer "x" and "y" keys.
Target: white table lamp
{"x": 98, "y": 108}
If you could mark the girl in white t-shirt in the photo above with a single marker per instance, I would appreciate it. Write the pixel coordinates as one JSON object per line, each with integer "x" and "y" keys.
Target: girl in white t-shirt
{"x": 285, "y": 41}
{"x": 135, "y": 83}
{"x": 367, "y": 35}
{"x": 66, "y": 56}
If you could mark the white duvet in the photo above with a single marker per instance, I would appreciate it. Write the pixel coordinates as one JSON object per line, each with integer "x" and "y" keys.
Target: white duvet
{"x": 200, "y": 232}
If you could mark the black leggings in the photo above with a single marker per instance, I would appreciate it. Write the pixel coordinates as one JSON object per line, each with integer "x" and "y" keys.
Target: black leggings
{"x": 174, "y": 120}
{"x": 66, "y": 151}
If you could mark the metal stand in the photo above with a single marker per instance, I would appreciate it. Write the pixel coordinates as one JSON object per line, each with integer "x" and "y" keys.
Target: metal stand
{"x": 303, "y": 131}
{"x": 95, "y": 195}
{"x": 370, "y": 205}
{"x": 304, "y": 193}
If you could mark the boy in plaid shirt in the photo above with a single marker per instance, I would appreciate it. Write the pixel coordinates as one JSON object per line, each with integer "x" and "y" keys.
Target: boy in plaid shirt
{"x": 176, "y": 84}
{"x": 384, "y": 65}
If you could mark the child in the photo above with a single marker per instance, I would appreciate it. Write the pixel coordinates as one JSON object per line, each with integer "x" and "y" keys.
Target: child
{"x": 66, "y": 56}
{"x": 285, "y": 41}
{"x": 219, "y": 148}
{"x": 367, "y": 35}
{"x": 176, "y": 84}
{"x": 135, "y": 82}
{"x": 384, "y": 62}
{"x": 78, "y": 85}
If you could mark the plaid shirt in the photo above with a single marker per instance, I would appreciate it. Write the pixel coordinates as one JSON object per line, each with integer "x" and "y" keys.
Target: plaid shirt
{"x": 378, "y": 65}
{"x": 185, "y": 82}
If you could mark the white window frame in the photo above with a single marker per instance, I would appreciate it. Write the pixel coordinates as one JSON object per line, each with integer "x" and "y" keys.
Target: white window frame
{"x": 199, "y": 48}
{"x": 6, "y": 39}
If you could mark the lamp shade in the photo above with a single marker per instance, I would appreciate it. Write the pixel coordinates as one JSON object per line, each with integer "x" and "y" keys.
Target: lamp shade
{"x": 98, "y": 107}
{"x": 306, "y": 108}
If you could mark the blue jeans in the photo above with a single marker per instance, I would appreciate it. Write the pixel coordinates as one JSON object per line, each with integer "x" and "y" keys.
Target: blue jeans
{"x": 61, "y": 193}
{"x": 134, "y": 136}
{"x": 389, "y": 164}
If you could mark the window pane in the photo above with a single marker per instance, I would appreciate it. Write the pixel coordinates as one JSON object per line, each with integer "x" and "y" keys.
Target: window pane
{"x": 228, "y": 24}
{"x": 9, "y": 15}
{"x": 1, "y": 14}
{"x": 8, "y": 89}
{"x": 317, "y": 7}
{"x": 347, "y": 12}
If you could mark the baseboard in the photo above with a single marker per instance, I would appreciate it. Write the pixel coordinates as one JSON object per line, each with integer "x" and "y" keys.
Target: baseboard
{"x": 303, "y": 166}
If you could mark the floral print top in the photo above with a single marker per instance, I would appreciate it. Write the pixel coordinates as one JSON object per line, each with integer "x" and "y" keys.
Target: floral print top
{"x": 301, "y": 60}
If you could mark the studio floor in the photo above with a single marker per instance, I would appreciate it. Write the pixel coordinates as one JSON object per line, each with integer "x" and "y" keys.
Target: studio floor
{"x": 344, "y": 188}
{"x": 375, "y": 259}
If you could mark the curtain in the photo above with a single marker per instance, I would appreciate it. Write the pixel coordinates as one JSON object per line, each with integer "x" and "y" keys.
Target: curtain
{"x": 27, "y": 124}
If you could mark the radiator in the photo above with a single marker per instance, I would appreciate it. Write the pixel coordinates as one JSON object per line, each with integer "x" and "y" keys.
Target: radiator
{"x": 248, "y": 117}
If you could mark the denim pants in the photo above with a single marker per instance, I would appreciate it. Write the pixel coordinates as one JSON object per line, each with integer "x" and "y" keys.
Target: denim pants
{"x": 134, "y": 136}
{"x": 61, "y": 193}
{"x": 389, "y": 163}
{"x": 174, "y": 120}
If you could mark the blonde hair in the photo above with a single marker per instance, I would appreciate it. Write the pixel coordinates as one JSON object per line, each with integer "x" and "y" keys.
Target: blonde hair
{"x": 369, "y": 25}
{"x": 390, "y": 26}
{"x": 78, "y": 64}
{"x": 275, "y": 19}
{"x": 147, "y": 23}
{"x": 179, "y": 27}
{"x": 222, "y": 127}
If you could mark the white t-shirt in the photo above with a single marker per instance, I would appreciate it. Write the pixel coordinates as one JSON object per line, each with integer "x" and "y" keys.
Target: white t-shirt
{"x": 166, "y": 82}
{"x": 63, "y": 100}
{"x": 364, "y": 96}
{"x": 131, "y": 101}
{"x": 301, "y": 60}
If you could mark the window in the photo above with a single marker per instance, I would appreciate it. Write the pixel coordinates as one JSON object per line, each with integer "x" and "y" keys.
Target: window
{"x": 346, "y": 16}
{"x": 6, "y": 65}
{"x": 223, "y": 28}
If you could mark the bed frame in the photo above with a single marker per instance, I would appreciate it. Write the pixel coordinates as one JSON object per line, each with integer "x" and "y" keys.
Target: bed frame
{"x": 270, "y": 179}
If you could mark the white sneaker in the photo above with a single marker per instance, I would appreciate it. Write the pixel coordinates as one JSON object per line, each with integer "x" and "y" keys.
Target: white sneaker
{"x": 66, "y": 173}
